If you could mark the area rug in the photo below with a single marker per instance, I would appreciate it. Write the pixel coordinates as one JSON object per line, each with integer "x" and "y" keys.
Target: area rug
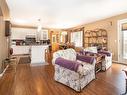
{"x": 24, "y": 60}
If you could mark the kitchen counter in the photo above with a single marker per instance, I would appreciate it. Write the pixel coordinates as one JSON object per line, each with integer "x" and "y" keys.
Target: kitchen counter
{"x": 23, "y": 49}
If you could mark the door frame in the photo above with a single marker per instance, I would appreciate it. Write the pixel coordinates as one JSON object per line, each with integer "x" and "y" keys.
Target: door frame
{"x": 120, "y": 42}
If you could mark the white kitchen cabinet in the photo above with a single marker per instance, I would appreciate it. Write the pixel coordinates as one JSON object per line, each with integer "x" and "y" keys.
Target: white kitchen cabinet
{"x": 21, "y": 33}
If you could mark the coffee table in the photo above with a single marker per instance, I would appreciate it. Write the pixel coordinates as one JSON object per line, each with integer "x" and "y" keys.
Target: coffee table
{"x": 98, "y": 65}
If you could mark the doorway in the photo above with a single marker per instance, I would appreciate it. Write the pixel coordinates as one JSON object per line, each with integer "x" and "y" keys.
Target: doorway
{"x": 122, "y": 38}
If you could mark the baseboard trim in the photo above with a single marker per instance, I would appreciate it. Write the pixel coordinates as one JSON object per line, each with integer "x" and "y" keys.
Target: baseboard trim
{"x": 115, "y": 61}
{"x": 4, "y": 71}
{"x": 119, "y": 62}
{"x": 39, "y": 64}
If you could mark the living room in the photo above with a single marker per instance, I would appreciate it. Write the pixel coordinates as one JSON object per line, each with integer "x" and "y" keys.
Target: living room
{"x": 63, "y": 47}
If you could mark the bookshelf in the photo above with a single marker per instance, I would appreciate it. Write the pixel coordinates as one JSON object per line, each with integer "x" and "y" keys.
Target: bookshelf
{"x": 97, "y": 37}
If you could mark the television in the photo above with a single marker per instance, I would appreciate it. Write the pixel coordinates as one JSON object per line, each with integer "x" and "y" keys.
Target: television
{"x": 7, "y": 28}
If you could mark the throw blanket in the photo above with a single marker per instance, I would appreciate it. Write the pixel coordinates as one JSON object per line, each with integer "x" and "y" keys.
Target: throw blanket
{"x": 105, "y": 53}
{"x": 82, "y": 52}
{"x": 92, "y": 54}
{"x": 71, "y": 65}
{"x": 84, "y": 58}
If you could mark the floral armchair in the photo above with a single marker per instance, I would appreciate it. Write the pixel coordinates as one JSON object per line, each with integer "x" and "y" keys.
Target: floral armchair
{"x": 107, "y": 62}
{"x": 75, "y": 79}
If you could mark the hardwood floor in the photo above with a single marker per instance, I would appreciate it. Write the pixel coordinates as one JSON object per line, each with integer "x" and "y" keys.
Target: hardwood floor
{"x": 39, "y": 81}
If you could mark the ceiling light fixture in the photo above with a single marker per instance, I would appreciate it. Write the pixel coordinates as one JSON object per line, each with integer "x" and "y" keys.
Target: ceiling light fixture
{"x": 39, "y": 28}
{"x": 39, "y": 25}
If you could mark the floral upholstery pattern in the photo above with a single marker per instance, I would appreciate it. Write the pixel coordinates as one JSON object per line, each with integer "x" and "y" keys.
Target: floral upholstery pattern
{"x": 75, "y": 80}
{"x": 107, "y": 62}
{"x": 69, "y": 54}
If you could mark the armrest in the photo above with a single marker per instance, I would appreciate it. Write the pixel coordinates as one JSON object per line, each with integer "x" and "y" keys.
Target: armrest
{"x": 61, "y": 71}
{"x": 107, "y": 53}
{"x": 87, "y": 53}
{"x": 71, "y": 65}
{"x": 84, "y": 58}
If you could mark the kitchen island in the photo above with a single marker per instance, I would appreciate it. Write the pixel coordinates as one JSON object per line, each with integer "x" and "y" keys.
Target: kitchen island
{"x": 21, "y": 49}
{"x": 36, "y": 52}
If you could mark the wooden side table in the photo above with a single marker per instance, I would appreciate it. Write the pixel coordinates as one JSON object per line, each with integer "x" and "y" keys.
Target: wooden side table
{"x": 98, "y": 65}
{"x": 125, "y": 70}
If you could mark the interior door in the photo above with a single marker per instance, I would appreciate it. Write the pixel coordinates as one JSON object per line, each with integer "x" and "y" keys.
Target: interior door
{"x": 54, "y": 42}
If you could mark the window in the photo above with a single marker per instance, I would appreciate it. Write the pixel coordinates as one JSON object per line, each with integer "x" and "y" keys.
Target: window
{"x": 77, "y": 38}
{"x": 44, "y": 34}
{"x": 125, "y": 44}
{"x": 54, "y": 38}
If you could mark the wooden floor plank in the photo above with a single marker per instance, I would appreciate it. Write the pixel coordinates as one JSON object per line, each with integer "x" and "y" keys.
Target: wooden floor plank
{"x": 39, "y": 80}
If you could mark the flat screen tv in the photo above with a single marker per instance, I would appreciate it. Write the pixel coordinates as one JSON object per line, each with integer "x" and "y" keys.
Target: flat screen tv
{"x": 7, "y": 28}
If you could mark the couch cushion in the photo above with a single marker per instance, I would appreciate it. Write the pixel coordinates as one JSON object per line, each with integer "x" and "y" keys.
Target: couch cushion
{"x": 87, "y": 59}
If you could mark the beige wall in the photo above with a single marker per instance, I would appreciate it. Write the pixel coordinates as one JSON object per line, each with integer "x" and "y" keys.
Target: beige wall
{"x": 110, "y": 24}
{"x": 3, "y": 42}
{"x": 5, "y": 9}
{"x": 1, "y": 13}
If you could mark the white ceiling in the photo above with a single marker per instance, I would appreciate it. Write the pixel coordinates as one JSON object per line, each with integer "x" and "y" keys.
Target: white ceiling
{"x": 63, "y": 13}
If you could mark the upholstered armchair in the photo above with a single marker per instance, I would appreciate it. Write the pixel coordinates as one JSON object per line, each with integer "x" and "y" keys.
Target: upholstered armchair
{"x": 72, "y": 70}
{"x": 106, "y": 63}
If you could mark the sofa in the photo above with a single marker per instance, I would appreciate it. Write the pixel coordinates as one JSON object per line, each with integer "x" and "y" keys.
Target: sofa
{"x": 107, "y": 61}
{"x": 71, "y": 70}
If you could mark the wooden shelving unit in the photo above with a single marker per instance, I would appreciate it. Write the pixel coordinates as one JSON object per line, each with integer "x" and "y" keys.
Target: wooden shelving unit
{"x": 97, "y": 37}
